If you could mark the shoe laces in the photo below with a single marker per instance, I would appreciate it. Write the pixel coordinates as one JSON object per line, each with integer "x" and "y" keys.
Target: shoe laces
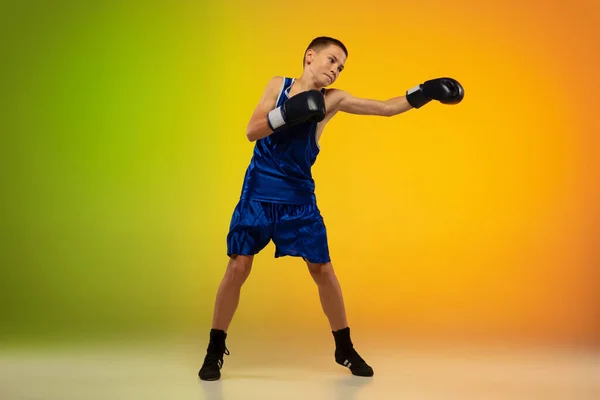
{"x": 215, "y": 354}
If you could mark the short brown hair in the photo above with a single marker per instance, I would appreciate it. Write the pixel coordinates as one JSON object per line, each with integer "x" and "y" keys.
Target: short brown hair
{"x": 323, "y": 41}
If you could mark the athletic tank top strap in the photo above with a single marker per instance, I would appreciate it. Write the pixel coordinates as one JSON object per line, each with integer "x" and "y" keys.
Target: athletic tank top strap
{"x": 284, "y": 93}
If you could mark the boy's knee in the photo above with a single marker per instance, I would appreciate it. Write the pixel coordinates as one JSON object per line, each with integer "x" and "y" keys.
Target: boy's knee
{"x": 239, "y": 267}
{"x": 321, "y": 270}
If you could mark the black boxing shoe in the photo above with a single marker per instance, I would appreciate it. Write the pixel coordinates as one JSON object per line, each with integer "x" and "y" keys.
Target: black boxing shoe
{"x": 213, "y": 361}
{"x": 347, "y": 356}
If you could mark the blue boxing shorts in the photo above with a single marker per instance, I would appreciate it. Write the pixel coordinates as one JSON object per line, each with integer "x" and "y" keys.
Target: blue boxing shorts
{"x": 296, "y": 230}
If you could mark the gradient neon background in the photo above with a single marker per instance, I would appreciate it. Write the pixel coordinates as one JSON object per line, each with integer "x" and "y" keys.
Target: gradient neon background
{"x": 124, "y": 154}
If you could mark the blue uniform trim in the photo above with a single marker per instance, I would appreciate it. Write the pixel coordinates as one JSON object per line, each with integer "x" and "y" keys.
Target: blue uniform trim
{"x": 286, "y": 82}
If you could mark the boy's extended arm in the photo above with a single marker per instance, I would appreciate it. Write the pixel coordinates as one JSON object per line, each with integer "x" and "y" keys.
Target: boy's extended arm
{"x": 347, "y": 103}
{"x": 444, "y": 90}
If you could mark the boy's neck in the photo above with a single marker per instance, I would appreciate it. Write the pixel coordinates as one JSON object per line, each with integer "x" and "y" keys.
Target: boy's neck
{"x": 304, "y": 83}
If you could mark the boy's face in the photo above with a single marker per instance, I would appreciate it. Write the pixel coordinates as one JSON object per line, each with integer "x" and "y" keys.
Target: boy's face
{"x": 326, "y": 64}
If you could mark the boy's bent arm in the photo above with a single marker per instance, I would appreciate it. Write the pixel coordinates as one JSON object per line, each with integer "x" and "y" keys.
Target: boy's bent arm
{"x": 258, "y": 126}
{"x": 385, "y": 108}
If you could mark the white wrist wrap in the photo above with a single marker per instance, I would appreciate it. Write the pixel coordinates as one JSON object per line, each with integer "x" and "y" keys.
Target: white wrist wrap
{"x": 415, "y": 89}
{"x": 275, "y": 118}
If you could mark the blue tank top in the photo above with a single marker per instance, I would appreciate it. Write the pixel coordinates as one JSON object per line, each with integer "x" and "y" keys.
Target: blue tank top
{"x": 280, "y": 168}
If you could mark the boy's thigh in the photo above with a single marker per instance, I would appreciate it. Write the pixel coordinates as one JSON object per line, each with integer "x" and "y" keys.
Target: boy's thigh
{"x": 300, "y": 231}
{"x": 251, "y": 227}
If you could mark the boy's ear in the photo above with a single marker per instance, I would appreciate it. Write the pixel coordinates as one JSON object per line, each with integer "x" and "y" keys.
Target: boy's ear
{"x": 309, "y": 56}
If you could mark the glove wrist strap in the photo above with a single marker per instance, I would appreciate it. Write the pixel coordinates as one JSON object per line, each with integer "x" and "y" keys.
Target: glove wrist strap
{"x": 275, "y": 118}
{"x": 416, "y": 97}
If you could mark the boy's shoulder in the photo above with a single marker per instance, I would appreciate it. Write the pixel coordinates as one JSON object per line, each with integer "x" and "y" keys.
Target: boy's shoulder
{"x": 335, "y": 93}
{"x": 275, "y": 84}
{"x": 277, "y": 80}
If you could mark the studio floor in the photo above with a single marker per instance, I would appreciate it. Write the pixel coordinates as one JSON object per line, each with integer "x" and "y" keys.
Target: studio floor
{"x": 287, "y": 373}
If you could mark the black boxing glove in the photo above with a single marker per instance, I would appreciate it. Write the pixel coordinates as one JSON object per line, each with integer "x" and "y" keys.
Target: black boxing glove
{"x": 444, "y": 90}
{"x": 305, "y": 106}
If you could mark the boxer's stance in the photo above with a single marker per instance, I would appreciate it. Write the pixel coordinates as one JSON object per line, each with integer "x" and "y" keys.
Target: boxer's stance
{"x": 277, "y": 200}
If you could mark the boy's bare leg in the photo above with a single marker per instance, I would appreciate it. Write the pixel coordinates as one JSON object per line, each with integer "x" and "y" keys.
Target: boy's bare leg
{"x": 228, "y": 294}
{"x": 228, "y": 297}
{"x": 332, "y": 302}
{"x": 330, "y": 294}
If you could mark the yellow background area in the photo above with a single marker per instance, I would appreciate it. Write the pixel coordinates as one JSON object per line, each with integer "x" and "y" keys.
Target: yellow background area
{"x": 467, "y": 221}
